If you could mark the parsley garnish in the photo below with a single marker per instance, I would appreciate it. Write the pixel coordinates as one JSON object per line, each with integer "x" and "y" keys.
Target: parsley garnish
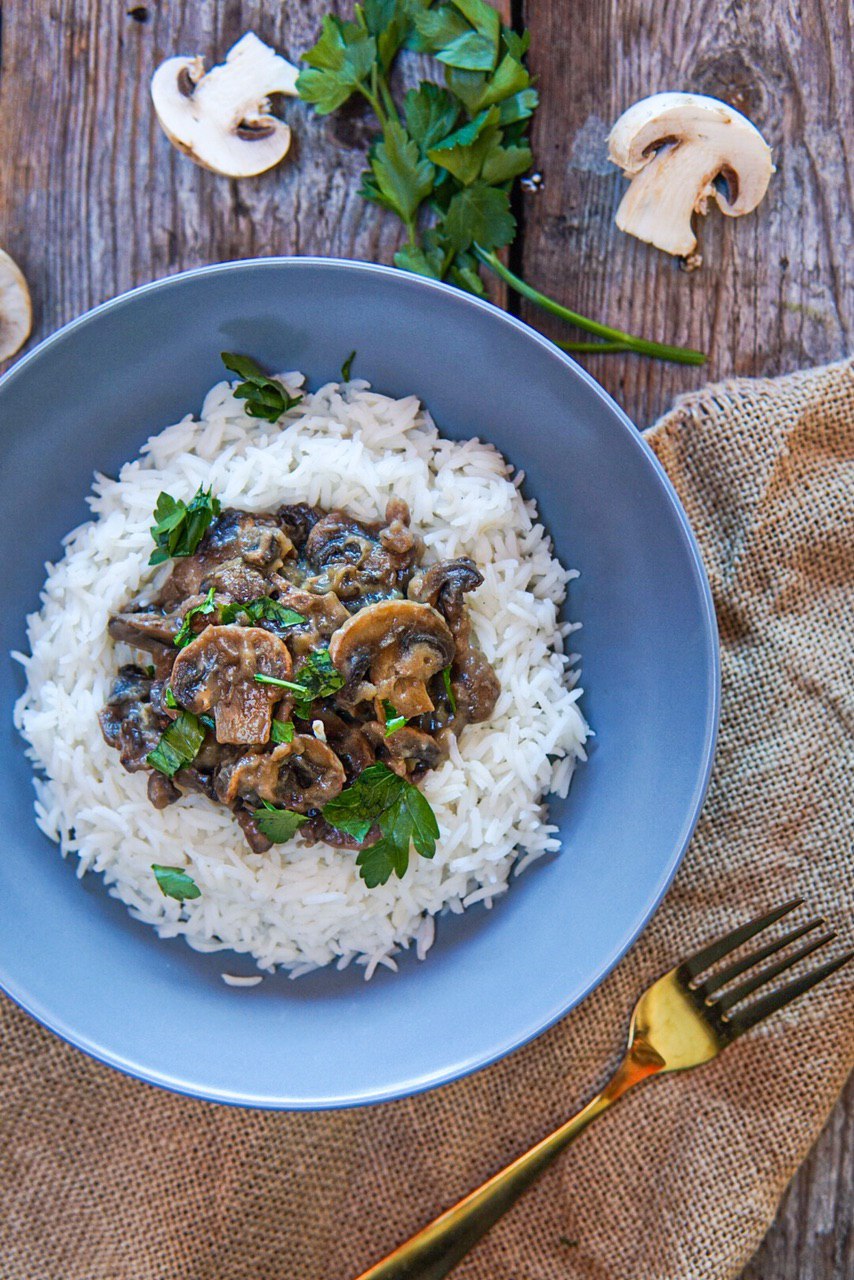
{"x": 175, "y": 883}
{"x": 179, "y": 528}
{"x": 278, "y": 825}
{"x": 186, "y": 634}
{"x": 178, "y": 746}
{"x": 393, "y": 721}
{"x": 169, "y": 698}
{"x": 445, "y": 165}
{"x": 263, "y": 608}
{"x": 446, "y": 680}
{"x": 282, "y": 731}
{"x": 402, "y": 814}
{"x": 265, "y": 397}
{"x": 316, "y": 678}
{"x": 347, "y": 367}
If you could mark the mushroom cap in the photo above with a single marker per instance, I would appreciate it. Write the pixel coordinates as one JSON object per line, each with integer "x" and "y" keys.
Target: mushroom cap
{"x": 221, "y": 119}
{"x": 400, "y": 644}
{"x": 445, "y": 584}
{"x": 217, "y": 670}
{"x": 681, "y": 150}
{"x": 16, "y": 308}
{"x": 300, "y": 775}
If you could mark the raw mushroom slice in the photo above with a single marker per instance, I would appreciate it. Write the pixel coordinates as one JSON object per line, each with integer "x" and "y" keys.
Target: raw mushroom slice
{"x": 16, "y": 309}
{"x": 221, "y": 118}
{"x": 680, "y": 151}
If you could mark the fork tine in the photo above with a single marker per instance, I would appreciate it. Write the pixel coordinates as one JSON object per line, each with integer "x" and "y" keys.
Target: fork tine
{"x": 738, "y": 1023}
{"x": 746, "y": 988}
{"x": 717, "y": 950}
{"x": 718, "y": 980}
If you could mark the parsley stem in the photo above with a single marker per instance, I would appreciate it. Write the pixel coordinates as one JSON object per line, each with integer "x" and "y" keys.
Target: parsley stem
{"x": 384, "y": 92}
{"x": 628, "y": 341}
{"x": 375, "y": 103}
{"x": 603, "y": 348}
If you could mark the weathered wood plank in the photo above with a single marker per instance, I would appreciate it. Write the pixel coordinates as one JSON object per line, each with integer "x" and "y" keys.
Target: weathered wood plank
{"x": 775, "y": 291}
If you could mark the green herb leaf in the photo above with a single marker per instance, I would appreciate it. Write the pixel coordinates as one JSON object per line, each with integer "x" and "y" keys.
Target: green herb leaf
{"x": 186, "y": 633}
{"x": 505, "y": 163}
{"x": 262, "y": 609}
{"x": 401, "y": 175}
{"x": 520, "y": 107}
{"x": 431, "y": 114}
{"x": 482, "y": 17}
{"x": 418, "y": 262}
{"x": 169, "y": 698}
{"x": 282, "y": 731}
{"x": 316, "y": 678}
{"x": 339, "y": 64}
{"x": 480, "y": 214}
{"x": 510, "y": 78}
{"x": 437, "y": 28}
{"x": 174, "y": 882}
{"x": 446, "y": 679}
{"x": 178, "y": 527}
{"x": 379, "y": 796}
{"x": 516, "y": 45}
{"x": 278, "y": 825}
{"x": 471, "y": 51}
{"x": 347, "y": 367}
{"x": 393, "y": 721}
{"x": 178, "y": 746}
{"x": 463, "y": 153}
{"x": 389, "y": 21}
{"x": 265, "y": 397}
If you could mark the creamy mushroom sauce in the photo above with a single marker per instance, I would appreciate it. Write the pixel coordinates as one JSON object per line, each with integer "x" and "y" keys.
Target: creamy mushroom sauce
{"x": 398, "y": 636}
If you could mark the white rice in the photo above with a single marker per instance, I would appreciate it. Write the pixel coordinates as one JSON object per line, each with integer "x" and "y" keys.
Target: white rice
{"x": 302, "y": 906}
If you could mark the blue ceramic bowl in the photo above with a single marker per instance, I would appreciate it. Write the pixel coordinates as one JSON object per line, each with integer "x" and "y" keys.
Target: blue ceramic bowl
{"x": 85, "y": 400}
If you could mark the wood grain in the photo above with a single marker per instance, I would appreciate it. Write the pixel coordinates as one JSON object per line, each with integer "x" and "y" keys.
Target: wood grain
{"x": 94, "y": 200}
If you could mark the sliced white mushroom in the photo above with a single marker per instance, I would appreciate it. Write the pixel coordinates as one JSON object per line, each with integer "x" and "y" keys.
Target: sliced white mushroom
{"x": 16, "y": 309}
{"x": 221, "y": 118}
{"x": 681, "y": 150}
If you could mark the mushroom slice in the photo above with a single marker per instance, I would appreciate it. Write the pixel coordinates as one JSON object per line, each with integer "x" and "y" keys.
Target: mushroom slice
{"x": 444, "y": 585}
{"x": 221, "y": 119}
{"x": 408, "y": 750}
{"x": 300, "y": 775}
{"x": 681, "y": 150}
{"x": 389, "y": 651}
{"x": 217, "y": 670}
{"x": 16, "y": 308}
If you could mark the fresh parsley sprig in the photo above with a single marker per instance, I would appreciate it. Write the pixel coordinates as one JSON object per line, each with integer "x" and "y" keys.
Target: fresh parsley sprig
{"x": 179, "y": 526}
{"x": 446, "y": 163}
{"x": 179, "y": 745}
{"x": 262, "y": 609}
{"x": 278, "y": 825}
{"x": 265, "y": 397}
{"x": 316, "y": 678}
{"x": 174, "y": 882}
{"x": 379, "y": 797}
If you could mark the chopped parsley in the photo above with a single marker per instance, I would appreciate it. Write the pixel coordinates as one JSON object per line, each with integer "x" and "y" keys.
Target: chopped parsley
{"x": 175, "y": 883}
{"x": 393, "y": 721}
{"x": 265, "y": 397}
{"x": 282, "y": 731}
{"x": 379, "y": 797}
{"x": 169, "y": 698}
{"x": 179, "y": 745}
{"x": 316, "y": 678}
{"x": 347, "y": 367}
{"x": 263, "y": 609}
{"x": 179, "y": 527}
{"x": 278, "y": 825}
{"x": 186, "y": 633}
{"x": 446, "y": 680}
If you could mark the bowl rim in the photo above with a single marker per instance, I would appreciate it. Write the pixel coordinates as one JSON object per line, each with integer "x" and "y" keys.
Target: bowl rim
{"x": 494, "y": 1053}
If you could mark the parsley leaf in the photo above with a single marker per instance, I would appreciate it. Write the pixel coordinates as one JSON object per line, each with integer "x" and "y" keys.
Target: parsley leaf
{"x": 175, "y": 883}
{"x": 316, "y": 678}
{"x": 265, "y": 397}
{"x": 402, "y": 814}
{"x": 282, "y": 731}
{"x": 178, "y": 746}
{"x": 178, "y": 526}
{"x": 339, "y": 63}
{"x": 446, "y": 680}
{"x": 347, "y": 367}
{"x": 278, "y": 825}
{"x": 437, "y": 28}
{"x": 393, "y": 721}
{"x": 186, "y": 633}
{"x": 169, "y": 698}
{"x": 399, "y": 174}
{"x": 480, "y": 215}
{"x": 463, "y": 153}
{"x": 262, "y": 609}
{"x": 482, "y": 17}
{"x": 471, "y": 51}
{"x": 431, "y": 114}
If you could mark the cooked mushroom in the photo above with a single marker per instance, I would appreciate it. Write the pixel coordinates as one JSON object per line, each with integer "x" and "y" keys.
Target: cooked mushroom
{"x": 407, "y": 750}
{"x": 680, "y": 151}
{"x": 300, "y": 775}
{"x": 128, "y": 721}
{"x": 444, "y": 585}
{"x": 217, "y": 670}
{"x": 389, "y": 651}
{"x": 323, "y": 614}
{"x": 221, "y": 119}
{"x": 16, "y": 308}
{"x": 298, "y": 519}
{"x": 348, "y": 741}
{"x": 148, "y": 629}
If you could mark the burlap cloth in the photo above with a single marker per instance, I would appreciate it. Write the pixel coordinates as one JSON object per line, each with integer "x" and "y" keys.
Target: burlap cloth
{"x": 102, "y": 1177}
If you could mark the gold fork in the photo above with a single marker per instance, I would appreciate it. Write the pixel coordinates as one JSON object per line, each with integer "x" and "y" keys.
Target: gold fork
{"x": 678, "y": 1023}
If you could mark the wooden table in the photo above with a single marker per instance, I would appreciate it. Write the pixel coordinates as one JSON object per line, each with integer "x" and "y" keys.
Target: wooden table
{"x": 93, "y": 200}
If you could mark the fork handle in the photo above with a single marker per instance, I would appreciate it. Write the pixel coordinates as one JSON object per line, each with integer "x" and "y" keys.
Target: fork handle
{"x": 432, "y": 1252}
